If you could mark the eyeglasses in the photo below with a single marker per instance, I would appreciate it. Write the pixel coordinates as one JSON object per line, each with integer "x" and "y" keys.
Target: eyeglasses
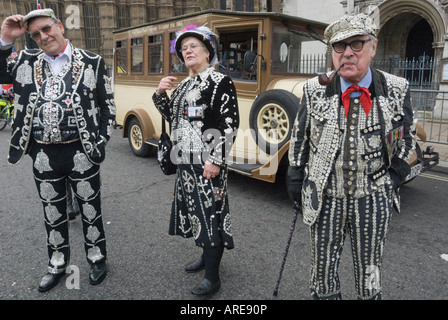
{"x": 355, "y": 45}
{"x": 45, "y": 29}
{"x": 192, "y": 47}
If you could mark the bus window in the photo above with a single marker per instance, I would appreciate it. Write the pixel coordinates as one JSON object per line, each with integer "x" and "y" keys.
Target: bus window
{"x": 234, "y": 44}
{"x": 155, "y": 54}
{"x": 137, "y": 55}
{"x": 289, "y": 52}
{"x": 121, "y": 57}
{"x": 176, "y": 66}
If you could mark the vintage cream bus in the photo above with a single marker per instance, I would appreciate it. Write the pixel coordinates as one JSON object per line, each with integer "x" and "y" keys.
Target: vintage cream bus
{"x": 264, "y": 53}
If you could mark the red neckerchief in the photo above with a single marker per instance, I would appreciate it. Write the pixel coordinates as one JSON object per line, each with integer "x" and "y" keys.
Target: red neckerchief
{"x": 365, "y": 98}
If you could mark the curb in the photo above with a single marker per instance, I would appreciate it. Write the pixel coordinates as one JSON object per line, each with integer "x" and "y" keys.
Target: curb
{"x": 442, "y": 167}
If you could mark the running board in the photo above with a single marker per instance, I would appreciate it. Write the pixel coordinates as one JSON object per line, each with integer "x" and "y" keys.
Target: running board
{"x": 244, "y": 168}
{"x": 152, "y": 142}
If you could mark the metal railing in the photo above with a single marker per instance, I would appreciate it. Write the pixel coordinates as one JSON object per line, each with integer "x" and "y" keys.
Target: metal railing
{"x": 430, "y": 118}
{"x": 313, "y": 63}
{"x": 421, "y": 72}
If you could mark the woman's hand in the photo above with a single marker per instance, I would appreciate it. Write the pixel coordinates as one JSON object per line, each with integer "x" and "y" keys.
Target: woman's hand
{"x": 166, "y": 83}
{"x": 210, "y": 170}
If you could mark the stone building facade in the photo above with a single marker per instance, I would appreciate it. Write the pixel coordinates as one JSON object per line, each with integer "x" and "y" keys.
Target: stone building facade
{"x": 407, "y": 28}
{"x": 413, "y": 30}
{"x": 89, "y": 23}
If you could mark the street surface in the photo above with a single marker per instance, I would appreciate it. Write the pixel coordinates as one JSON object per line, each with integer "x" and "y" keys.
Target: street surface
{"x": 145, "y": 263}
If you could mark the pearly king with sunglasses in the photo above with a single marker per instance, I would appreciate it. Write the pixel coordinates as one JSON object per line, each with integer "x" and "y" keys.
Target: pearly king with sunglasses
{"x": 350, "y": 152}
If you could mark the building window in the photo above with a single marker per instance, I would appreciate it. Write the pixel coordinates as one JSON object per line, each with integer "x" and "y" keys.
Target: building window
{"x": 57, "y": 8}
{"x": 137, "y": 55}
{"x": 123, "y": 16}
{"x": 155, "y": 54}
{"x": 244, "y": 5}
{"x": 28, "y": 6}
{"x": 152, "y": 13}
{"x": 92, "y": 27}
{"x": 223, "y": 4}
{"x": 121, "y": 60}
{"x": 250, "y": 5}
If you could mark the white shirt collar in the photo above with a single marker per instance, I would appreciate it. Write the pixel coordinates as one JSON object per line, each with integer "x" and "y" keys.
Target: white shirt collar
{"x": 365, "y": 82}
{"x": 61, "y": 57}
{"x": 203, "y": 74}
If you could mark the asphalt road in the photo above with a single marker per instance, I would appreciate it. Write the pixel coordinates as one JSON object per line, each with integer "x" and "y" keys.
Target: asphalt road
{"x": 145, "y": 263}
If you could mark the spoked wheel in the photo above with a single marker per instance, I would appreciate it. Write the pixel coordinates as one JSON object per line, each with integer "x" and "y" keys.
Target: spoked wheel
{"x": 272, "y": 118}
{"x": 136, "y": 139}
{"x": 3, "y": 120}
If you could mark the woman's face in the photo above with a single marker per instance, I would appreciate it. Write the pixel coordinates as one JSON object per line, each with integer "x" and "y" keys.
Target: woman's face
{"x": 195, "y": 54}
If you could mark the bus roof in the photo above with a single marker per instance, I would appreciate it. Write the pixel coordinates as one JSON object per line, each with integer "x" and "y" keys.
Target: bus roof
{"x": 229, "y": 13}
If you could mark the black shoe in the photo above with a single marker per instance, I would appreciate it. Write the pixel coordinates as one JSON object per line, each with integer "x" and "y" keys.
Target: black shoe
{"x": 49, "y": 281}
{"x": 196, "y": 266}
{"x": 206, "y": 287}
{"x": 97, "y": 273}
{"x": 72, "y": 215}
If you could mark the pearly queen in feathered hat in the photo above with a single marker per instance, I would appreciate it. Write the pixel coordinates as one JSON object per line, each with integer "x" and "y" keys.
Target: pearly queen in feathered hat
{"x": 204, "y": 34}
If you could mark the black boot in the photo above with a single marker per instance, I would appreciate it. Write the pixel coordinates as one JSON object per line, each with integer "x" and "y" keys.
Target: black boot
{"x": 211, "y": 282}
{"x": 50, "y": 280}
{"x": 196, "y": 266}
{"x": 97, "y": 273}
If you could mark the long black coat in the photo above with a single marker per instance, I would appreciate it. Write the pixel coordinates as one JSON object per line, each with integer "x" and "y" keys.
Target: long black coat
{"x": 316, "y": 136}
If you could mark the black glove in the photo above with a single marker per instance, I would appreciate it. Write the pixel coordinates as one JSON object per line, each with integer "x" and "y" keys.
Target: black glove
{"x": 294, "y": 181}
{"x": 394, "y": 179}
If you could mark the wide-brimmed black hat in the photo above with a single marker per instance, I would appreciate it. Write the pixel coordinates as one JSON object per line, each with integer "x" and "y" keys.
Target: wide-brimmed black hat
{"x": 204, "y": 34}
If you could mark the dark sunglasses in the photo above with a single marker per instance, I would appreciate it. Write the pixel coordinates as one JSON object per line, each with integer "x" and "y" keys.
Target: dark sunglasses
{"x": 355, "y": 45}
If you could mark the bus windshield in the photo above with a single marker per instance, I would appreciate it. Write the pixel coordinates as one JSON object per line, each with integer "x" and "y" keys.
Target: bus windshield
{"x": 294, "y": 51}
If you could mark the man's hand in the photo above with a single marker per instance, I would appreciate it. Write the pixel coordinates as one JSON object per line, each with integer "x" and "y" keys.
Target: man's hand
{"x": 294, "y": 181}
{"x": 11, "y": 29}
{"x": 394, "y": 179}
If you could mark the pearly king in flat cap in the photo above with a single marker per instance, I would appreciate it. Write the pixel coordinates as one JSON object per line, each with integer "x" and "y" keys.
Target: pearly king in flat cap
{"x": 38, "y": 13}
{"x": 349, "y": 26}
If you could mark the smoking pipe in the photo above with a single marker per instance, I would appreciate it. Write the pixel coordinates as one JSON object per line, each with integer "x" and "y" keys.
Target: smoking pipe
{"x": 325, "y": 80}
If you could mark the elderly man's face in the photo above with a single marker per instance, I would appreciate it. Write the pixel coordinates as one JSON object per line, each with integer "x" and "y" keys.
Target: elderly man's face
{"x": 356, "y": 63}
{"x": 48, "y": 34}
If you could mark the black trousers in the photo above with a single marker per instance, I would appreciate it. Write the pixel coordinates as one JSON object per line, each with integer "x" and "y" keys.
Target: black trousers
{"x": 366, "y": 220}
{"x": 55, "y": 166}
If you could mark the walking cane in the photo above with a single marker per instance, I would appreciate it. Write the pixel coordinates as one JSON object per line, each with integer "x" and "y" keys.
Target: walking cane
{"x": 293, "y": 226}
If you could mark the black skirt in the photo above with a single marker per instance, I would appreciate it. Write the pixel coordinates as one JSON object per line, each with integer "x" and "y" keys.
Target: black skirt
{"x": 200, "y": 207}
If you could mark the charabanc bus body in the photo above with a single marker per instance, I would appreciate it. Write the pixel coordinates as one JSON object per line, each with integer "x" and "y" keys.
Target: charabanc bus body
{"x": 263, "y": 53}
{"x": 269, "y": 56}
